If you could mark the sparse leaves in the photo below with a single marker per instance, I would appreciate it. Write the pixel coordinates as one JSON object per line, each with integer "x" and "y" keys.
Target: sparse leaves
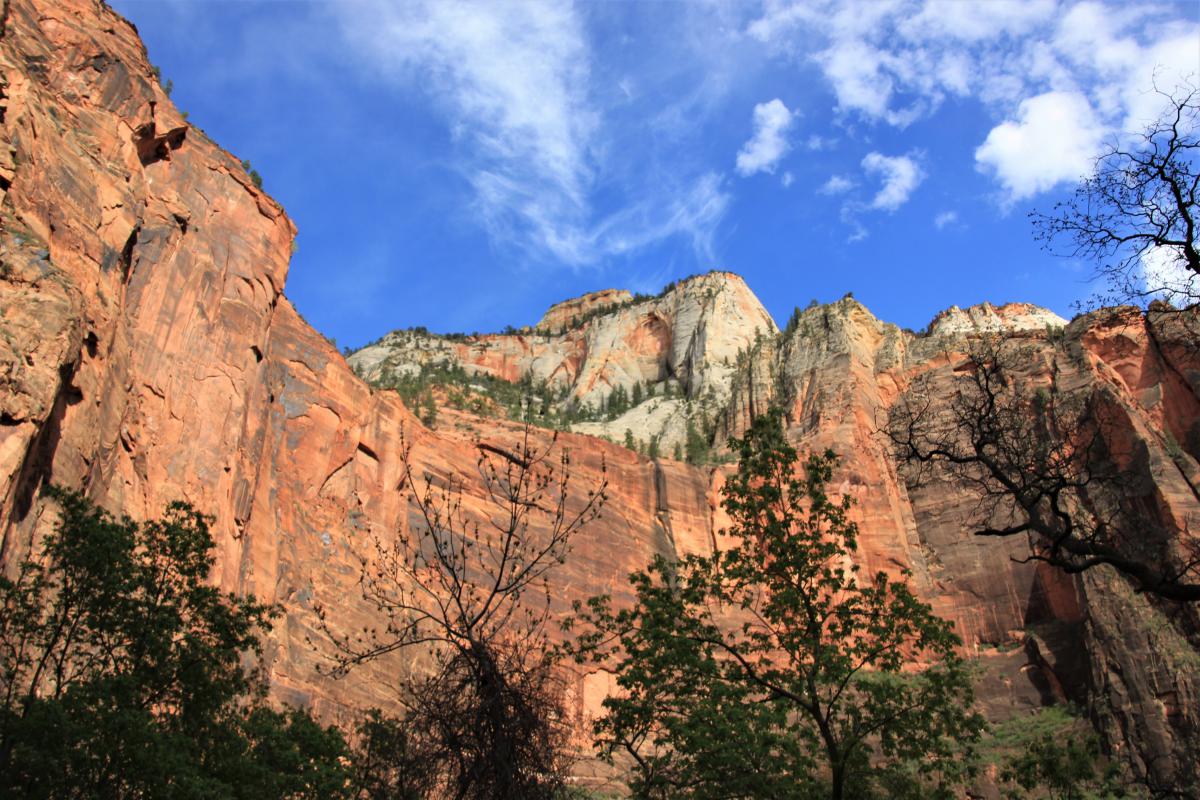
{"x": 1136, "y": 215}
{"x": 1042, "y": 462}
{"x": 469, "y": 585}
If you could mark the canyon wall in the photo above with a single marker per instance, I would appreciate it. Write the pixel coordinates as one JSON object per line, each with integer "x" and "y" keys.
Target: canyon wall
{"x": 148, "y": 353}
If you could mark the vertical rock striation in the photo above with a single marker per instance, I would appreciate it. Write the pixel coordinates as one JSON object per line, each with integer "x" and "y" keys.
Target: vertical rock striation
{"x": 148, "y": 354}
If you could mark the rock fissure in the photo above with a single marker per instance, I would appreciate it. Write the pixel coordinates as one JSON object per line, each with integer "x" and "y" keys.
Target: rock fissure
{"x": 288, "y": 445}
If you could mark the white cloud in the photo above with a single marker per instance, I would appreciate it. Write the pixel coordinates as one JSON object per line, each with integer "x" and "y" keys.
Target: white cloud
{"x": 769, "y": 142}
{"x": 1166, "y": 276}
{"x": 693, "y": 211}
{"x": 859, "y": 79}
{"x": 786, "y": 179}
{"x": 517, "y": 83}
{"x": 973, "y": 22}
{"x": 1054, "y": 139}
{"x": 944, "y": 219}
{"x": 1170, "y": 61}
{"x": 514, "y": 80}
{"x": 896, "y": 61}
{"x": 837, "y": 184}
{"x": 900, "y": 176}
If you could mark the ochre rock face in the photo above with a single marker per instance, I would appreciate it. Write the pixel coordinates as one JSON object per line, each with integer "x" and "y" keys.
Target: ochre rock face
{"x": 149, "y": 355}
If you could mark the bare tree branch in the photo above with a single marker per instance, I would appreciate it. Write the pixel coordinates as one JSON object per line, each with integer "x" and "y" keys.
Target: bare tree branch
{"x": 1042, "y": 462}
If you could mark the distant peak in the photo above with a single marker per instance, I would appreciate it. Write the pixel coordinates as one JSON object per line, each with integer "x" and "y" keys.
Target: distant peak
{"x": 562, "y": 314}
{"x": 985, "y": 317}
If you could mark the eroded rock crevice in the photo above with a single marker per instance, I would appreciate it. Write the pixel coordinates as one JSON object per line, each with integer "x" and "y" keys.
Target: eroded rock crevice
{"x": 288, "y": 448}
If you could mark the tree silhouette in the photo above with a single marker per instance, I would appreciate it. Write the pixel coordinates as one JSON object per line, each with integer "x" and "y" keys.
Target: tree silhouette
{"x": 470, "y": 586}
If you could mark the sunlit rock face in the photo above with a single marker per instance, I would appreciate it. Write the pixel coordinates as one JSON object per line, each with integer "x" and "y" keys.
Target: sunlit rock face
{"x": 681, "y": 348}
{"x": 149, "y": 354}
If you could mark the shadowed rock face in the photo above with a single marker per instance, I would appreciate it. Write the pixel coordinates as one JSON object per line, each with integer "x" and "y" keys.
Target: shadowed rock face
{"x": 148, "y": 354}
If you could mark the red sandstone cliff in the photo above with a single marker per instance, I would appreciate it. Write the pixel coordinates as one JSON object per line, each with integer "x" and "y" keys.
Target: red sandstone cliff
{"x": 149, "y": 354}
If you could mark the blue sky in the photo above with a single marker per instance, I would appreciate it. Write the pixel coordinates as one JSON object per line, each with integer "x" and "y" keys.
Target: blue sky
{"x": 464, "y": 165}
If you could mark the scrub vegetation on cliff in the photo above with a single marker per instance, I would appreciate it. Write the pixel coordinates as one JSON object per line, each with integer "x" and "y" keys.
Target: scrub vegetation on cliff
{"x": 770, "y": 669}
{"x": 796, "y": 626}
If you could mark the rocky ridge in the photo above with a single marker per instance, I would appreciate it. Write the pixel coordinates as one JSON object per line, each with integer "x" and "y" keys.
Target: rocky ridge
{"x": 148, "y": 354}
{"x": 680, "y": 348}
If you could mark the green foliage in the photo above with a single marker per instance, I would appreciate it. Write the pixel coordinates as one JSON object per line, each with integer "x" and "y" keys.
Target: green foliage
{"x": 123, "y": 672}
{"x": 1063, "y": 768}
{"x": 617, "y": 403}
{"x": 696, "y": 443}
{"x": 428, "y": 409}
{"x": 773, "y": 668}
{"x": 527, "y": 400}
{"x": 255, "y": 178}
{"x": 1052, "y": 754}
{"x": 167, "y": 86}
{"x": 652, "y": 448}
{"x": 288, "y": 754}
{"x": 387, "y": 763}
{"x": 793, "y": 322}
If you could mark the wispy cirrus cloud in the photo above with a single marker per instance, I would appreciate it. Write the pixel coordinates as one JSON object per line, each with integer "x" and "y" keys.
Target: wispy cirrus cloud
{"x": 945, "y": 219}
{"x": 514, "y": 80}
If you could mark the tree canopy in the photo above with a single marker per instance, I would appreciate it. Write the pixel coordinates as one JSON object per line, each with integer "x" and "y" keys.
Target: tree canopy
{"x": 776, "y": 668}
{"x": 122, "y": 672}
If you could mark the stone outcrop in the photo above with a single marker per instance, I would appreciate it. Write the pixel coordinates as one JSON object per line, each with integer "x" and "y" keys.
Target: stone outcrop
{"x": 686, "y": 342}
{"x": 987, "y": 318}
{"x": 568, "y": 313}
{"x": 148, "y": 354}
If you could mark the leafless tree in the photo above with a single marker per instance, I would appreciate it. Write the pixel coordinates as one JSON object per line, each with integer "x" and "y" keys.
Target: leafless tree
{"x": 1136, "y": 215}
{"x": 1044, "y": 466}
{"x": 469, "y": 583}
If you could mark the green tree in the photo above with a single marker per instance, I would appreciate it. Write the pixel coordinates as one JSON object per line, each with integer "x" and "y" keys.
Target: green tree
{"x": 774, "y": 668}
{"x": 618, "y": 402}
{"x": 255, "y": 178}
{"x": 696, "y": 444}
{"x": 629, "y": 441}
{"x": 388, "y": 763}
{"x": 429, "y": 410}
{"x": 1061, "y": 769}
{"x": 122, "y": 672}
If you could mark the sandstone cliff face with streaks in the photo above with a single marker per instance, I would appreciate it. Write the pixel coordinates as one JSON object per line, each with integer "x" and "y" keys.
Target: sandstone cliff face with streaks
{"x": 148, "y": 353}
